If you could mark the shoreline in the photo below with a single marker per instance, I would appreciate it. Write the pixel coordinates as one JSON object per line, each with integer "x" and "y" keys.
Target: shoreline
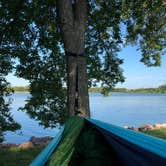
{"x": 110, "y": 92}
{"x": 43, "y": 141}
{"x": 31, "y": 143}
{"x": 147, "y": 127}
{"x": 21, "y": 92}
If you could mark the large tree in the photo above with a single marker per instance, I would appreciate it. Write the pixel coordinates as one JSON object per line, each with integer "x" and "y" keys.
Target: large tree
{"x": 75, "y": 43}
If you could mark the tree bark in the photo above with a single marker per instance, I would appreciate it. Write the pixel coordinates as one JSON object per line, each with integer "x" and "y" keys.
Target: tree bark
{"x": 71, "y": 82}
{"x": 83, "y": 96}
{"x": 72, "y": 17}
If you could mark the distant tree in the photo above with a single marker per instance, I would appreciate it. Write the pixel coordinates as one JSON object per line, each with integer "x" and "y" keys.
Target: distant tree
{"x": 75, "y": 43}
{"x": 20, "y": 88}
{"x": 163, "y": 86}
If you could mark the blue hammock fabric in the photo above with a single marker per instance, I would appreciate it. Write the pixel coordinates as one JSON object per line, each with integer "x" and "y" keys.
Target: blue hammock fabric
{"x": 43, "y": 157}
{"x": 132, "y": 148}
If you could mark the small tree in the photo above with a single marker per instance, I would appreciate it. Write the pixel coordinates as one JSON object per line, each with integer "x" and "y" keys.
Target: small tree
{"x": 75, "y": 43}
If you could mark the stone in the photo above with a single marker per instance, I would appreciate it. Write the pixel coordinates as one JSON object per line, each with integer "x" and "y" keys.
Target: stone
{"x": 43, "y": 141}
{"x": 146, "y": 127}
{"x": 26, "y": 145}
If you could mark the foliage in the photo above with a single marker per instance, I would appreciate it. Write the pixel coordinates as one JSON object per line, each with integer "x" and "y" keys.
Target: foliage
{"x": 145, "y": 22}
{"x": 160, "y": 89}
{"x": 147, "y": 90}
{"x": 6, "y": 120}
{"x": 30, "y": 34}
{"x": 20, "y": 88}
{"x": 17, "y": 156}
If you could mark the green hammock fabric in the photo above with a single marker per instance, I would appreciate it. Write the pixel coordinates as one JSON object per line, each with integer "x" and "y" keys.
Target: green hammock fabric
{"x": 91, "y": 149}
{"x": 88, "y": 142}
{"x": 63, "y": 153}
{"x": 82, "y": 145}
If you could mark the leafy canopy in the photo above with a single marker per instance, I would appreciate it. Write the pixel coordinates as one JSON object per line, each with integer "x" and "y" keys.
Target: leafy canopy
{"x": 30, "y": 34}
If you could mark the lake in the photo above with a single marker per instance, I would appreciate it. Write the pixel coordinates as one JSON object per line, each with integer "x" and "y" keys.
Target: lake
{"x": 118, "y": 108}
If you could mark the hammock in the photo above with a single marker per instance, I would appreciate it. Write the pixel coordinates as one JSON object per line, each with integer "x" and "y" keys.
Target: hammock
{"x": 88, "y": 142}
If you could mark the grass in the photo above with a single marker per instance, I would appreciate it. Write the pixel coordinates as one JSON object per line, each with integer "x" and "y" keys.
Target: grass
{"x": 17, "y": 156}
{"x": 161, "y": 133}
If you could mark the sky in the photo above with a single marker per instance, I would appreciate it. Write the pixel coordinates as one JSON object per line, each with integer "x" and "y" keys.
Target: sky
{"x": 136, "y": 73}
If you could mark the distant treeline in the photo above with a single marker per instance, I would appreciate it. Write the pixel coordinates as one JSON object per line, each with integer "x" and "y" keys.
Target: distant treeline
{"x": 21, "y": 88}
{"x": 160, "y": 89}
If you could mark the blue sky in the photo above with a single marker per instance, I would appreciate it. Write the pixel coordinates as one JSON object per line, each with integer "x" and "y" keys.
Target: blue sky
{"x": 137, "y": 74}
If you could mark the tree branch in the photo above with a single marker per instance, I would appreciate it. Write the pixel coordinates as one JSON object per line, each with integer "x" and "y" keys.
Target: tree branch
{"x": 14, "y": 17}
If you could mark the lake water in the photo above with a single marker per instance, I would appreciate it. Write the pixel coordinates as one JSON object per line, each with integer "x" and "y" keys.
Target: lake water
{"x": 118, "y": 108}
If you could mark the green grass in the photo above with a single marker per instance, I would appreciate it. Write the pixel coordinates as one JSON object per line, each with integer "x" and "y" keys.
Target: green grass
{"x": 17, "y": 156}
{"x": 161, "y": 133}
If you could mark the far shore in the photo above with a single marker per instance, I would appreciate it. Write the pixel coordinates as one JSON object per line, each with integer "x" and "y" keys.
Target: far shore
{"x": 157, "y": 90}
{"x": 21, "y": 92}
{"x": 110, "y": 92}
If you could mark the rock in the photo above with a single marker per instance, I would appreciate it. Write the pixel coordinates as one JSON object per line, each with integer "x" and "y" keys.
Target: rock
{"x": 26, "y": 145}
{"x": 34, "y": 141}
{"x": 146, "y": 127}
{"x": 43, "y": 141}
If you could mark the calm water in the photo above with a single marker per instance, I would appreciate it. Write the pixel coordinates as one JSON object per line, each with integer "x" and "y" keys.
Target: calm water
{"x": 119, "y": 108}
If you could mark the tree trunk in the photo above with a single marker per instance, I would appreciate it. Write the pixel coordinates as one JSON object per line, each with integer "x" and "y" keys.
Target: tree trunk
{"x": 83, "y": 96}
{"x": 72, "y": 20}
{"x": 71, "y": 82}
